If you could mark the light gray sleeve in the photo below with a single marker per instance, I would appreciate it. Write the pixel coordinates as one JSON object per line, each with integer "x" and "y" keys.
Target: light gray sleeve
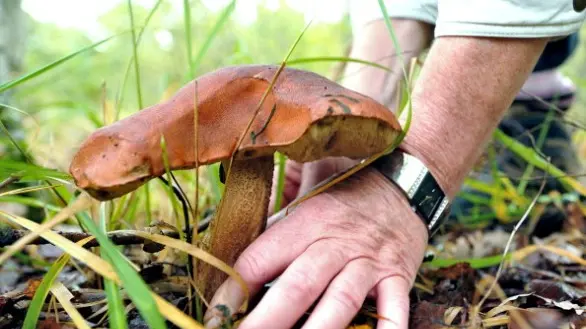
{"x": 365, "y": 11}
{"x": 496, "y": 18}
{"x": 508, "y": 18}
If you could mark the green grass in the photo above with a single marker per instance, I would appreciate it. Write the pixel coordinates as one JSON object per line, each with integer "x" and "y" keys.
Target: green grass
{"x": 135, "y": 286}
{"x": 11, "y": 84}
{"x": 38, "y": 301}
{"x": 139, "y": 208}
{"x": 211, "y": 36}
{"x": 116, "y": 313}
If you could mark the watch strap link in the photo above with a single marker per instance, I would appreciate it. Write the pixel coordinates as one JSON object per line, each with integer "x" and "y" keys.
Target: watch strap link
{"x": 425, "y": 195}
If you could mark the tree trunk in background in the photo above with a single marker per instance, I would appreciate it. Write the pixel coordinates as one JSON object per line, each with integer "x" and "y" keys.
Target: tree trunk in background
{"x": 12, "y": 48}
{"x": 12, "y": 41}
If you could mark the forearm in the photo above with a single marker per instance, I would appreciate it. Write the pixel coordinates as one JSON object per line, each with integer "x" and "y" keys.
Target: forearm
{"x": 373, "y": 43}
{"x": 464, "y": 89}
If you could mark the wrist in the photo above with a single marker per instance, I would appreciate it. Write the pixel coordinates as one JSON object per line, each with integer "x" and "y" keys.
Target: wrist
{"x": 448, "y": 169}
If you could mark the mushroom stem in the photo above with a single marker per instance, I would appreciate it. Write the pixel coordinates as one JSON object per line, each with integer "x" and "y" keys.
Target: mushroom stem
{"x": 240, "y": 218}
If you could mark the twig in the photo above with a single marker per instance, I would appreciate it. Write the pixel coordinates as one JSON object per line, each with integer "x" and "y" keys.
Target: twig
{"x": 9, "y": 180}
{"x": 509, "y": 242}
{"x": 122, "y": 237}
{"x": 550, "y": 274}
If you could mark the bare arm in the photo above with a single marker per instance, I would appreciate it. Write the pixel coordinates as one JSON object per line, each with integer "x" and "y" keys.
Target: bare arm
{"x": 372, "y": 43}
{"x": 362, "y": 237}
{"x": 465, "y": 87}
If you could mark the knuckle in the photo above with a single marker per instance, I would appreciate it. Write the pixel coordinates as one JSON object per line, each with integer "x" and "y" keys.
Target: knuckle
{"x": 301, "y": 286}
{"x": 251, "y": 266}
{"x": 348, "y": 300}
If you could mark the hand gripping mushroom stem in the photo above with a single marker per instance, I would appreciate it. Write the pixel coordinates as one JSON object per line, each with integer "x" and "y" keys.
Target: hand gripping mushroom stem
{"x": 305, "y": 116}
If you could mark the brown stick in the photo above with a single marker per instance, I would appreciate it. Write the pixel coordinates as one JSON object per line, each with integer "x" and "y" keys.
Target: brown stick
{"x": 9, "y": 236}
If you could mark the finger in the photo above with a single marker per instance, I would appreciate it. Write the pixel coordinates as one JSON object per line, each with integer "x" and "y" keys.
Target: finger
{"x": 344, "y": 297}
{"x": 266, "y": 258}
{"x": 297, "y": 288}
{"x": 393, "y": 302}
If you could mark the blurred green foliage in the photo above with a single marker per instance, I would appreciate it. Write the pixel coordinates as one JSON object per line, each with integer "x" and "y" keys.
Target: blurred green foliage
{"x": 66, "y": 104}
{"x": 65, "y": 99}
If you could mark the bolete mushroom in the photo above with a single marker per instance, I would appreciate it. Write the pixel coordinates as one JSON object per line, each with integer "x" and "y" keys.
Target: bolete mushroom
{"x": 305, "y": 116}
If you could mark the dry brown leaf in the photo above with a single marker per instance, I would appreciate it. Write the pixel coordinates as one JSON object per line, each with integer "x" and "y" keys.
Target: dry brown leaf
{"x": 51, "y": 323}
{"x": 451, "y": 314}
{"x": 538, "y": 318}
{"x": 428, "y": 316}
{"x": 31, "y": 288}
{"x": 525, "y": 252}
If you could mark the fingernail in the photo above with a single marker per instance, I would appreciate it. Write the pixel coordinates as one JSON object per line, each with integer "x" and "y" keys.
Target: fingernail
{"x": 214, "y": 322}
{"x": 230, "y": 297}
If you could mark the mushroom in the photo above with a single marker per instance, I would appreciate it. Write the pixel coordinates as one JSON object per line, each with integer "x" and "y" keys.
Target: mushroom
{"x": 304, "y": 116}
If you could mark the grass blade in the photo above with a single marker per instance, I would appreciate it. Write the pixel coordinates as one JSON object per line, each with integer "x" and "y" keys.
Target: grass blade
{"x": 116, "y": 314}
{"x": 104, "y": 268}
{"x": 36, "y": 305}
{"x": 187, "y": 29}
{"x": 538, "y": 145}
{"x": 398, "y": 51}
{"x": 12, "y": 140}
{"x": 131, "y": 61}
{"x": 29, "y": 172}
{"x": 528, "y": 154}
{"x": 169, "y": 190}
{"x": 137, "y": 289}
{"x": 146, "y": 187}
{"x": 197, "y": 299}
{"x": 64, "y": 297}
{"x": 25, "y": 78}
{"x": 281, "y": 159}
{"x": 211, "y": 36}
{"x": 200, "y": 254}
{"x": 30, "y": 202}
{"x": 82, "y": 203}
{"x": 135, "y": 55}
{"x": 308, "y": 60}
{"x": 28, "y": 189}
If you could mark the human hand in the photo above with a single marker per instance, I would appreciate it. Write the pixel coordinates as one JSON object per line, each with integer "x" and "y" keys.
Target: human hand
{"x": 358, "y": 238}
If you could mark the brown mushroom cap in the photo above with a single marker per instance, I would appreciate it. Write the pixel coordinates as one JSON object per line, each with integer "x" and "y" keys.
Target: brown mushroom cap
{"x": 305, "y": 116}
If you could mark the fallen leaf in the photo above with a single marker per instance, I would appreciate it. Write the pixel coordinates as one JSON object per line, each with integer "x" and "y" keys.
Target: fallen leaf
{"x": 51, "y": 323}
{"x": 31, "y": 288}
{"x": 455, "y": 272}
{"x": 555, "y": 290}
{"x": 537, "y": 318}
{"x": 428, "y": 316}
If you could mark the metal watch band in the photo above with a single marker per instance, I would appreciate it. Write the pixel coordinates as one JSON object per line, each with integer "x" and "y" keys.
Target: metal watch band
{"x": 425, "y": 195}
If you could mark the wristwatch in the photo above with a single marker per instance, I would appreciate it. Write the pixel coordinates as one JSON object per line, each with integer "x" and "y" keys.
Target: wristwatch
{"x": 415, "y": 180}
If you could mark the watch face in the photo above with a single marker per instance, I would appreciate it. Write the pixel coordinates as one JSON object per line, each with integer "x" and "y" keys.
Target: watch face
{"x": 428, "y": 197}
